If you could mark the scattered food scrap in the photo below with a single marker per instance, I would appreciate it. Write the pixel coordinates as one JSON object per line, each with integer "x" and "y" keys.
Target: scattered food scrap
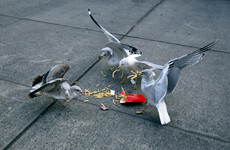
{"x": 85, "y": 101}
{"x": 112, "y": 92}
{"x": 135, "y": 75}
{"x": 118, "y": 69}
{"x": 132, "y": 98}
{"x": 114, "y": 101}
{"x": 103, "y": 74}
{"x": 103, "y": 107}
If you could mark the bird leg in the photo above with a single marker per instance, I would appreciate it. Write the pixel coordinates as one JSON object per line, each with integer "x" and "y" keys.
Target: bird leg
{"x": 135, "y": 85}
{"x": 122, "y": 74}
{"x": 123, "y": 80}
{"x": 61, "y": 103}
{"x": 112, "y": 69}
{"x": 140, "y": 112}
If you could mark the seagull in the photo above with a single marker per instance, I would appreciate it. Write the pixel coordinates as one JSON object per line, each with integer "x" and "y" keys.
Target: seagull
{"x": 155, "y": 91}
{"x": 131, "y": 64}
{"x": 52, "y": 84}
{"x": 114, "y": 51}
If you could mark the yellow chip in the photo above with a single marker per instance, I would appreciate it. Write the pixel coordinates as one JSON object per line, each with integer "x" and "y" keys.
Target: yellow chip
{"x": 103, "y": 74}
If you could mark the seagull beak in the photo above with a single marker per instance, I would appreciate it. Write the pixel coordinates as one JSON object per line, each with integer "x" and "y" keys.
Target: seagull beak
{"x": 99, "y": 57}
{"x": 82, "y": 93}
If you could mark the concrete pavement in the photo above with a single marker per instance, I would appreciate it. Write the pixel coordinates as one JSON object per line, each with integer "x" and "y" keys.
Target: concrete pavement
{"x": 34, "y": 36}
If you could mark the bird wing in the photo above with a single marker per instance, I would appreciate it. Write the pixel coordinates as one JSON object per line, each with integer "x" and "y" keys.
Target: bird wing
{"x": 51, "y": 85}
{"x": 130, "y": 49}
{"x": 55, "y": 72}
{"x": 109, "y": 35}
{"x": 161, "y": 84}
{"x": 183, "y": 62}
{"x": 192, "y": 58}
{"x": 118, "y": 51}
{"x": 142, "y": 65}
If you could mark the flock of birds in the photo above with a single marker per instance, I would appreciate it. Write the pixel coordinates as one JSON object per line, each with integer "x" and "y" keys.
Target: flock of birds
{"x": 119, "y": 55}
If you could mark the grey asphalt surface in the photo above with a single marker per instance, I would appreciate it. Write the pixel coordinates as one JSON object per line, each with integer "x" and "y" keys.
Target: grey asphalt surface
{"x": 36, "y": 35}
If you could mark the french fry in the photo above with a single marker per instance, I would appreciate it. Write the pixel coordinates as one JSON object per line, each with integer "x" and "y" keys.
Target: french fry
{"x": 114, "y": 102}
{"x": 98, "y": 85}
{"x": 103, "y": 74}
{"x": 117, "y": 69}
{"x": 85, "y": 101}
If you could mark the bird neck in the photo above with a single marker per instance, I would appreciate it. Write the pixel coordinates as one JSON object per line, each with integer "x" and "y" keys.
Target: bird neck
{"x": 146, "y": 79}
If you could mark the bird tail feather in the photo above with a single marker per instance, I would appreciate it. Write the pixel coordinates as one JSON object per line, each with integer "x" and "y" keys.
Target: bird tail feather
{"x": 163, "y": 113}
{"x": 31, "y": 95}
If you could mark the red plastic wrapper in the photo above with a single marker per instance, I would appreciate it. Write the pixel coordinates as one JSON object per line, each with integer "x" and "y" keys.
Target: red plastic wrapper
{"x": 132, "y": 98}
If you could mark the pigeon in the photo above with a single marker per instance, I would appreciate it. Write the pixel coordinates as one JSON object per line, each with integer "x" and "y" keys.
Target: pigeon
{"x": 114, "y": 51}
{"x": 52, "y": 84}
{"x": 155, "y": 91}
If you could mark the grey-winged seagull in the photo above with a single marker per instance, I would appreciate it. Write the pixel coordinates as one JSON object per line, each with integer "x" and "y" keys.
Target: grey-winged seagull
{"x": 155, "y": 91}
{"x": 52, "y": 84}
{"x": 114, "y": 51}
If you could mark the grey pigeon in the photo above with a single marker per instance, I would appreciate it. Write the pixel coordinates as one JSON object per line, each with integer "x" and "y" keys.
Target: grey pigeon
{"x": 155, "y": 91}
{"x": 52, "y": 84}
{"x": 114, "y": 51}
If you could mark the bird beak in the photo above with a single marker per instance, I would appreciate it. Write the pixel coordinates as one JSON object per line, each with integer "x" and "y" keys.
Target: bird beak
{"x": 82, "y": 93}
{"x": 99, "y": 57}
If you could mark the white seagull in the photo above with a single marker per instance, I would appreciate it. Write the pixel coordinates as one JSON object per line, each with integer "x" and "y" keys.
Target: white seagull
{"x": 52, "y": 84}
{"x": 114, "y": 51}
{"x": 155, "y": 91}
{"x": 130, "y": 63}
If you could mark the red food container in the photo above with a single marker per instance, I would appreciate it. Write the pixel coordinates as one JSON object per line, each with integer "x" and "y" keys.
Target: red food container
{"x": 132, "y": 98}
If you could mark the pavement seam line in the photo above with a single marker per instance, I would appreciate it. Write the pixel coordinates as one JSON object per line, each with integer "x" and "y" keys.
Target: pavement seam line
{"x": 172, "y": 43}
{"x": 46, "y": 109}
{"x": 142, "y": 18}
{"x": 192, "y": 133}
{"x": 123, "y": 35}
{"x": 28, "y": 127}
{"x": 44, "y": 112}
{"x": 14, "y": 82}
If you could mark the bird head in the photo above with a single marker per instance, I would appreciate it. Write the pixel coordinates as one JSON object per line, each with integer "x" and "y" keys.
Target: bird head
{"x": 76, "y": 89}
{"x": 106, "y": 52}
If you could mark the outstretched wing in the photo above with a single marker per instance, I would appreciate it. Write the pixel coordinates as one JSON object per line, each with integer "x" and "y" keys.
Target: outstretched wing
{"x": 55, "y": 72}
{"x": 51, "y": 85}
{"x": 192, "y": 58}
{"x": 142, "y": 65}
{"x": 109, "y": 35}
{"x": 130, "y": 49}
{"x": 183, "y": 62}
